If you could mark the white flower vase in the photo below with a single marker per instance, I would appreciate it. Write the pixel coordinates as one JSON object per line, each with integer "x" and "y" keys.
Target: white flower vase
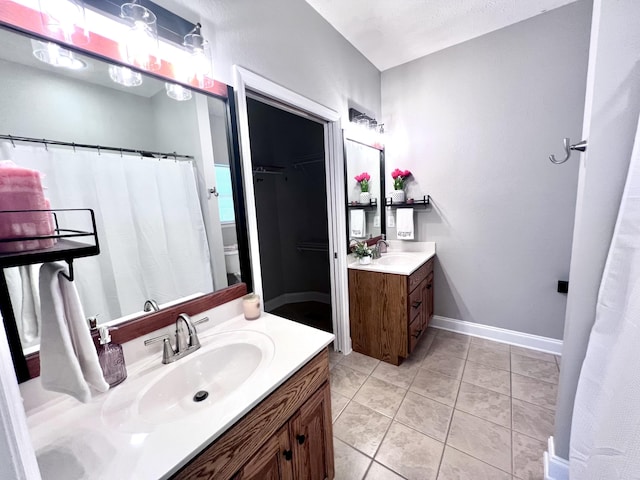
{"x": 364, "y": 260}
{"x": 397, "y": 196}
{"x": 365, "y": 198}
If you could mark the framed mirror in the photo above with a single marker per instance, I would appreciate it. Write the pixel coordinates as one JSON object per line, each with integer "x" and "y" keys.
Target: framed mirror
{"x": 365, "y": 213}
{"x": 158, "y": 163}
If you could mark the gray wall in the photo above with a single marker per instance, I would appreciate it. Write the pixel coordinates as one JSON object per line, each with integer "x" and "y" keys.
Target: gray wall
{"x": 42, "y": 104}
{"x": 287, "y": 42}
{"x": 611, "y": 118}
{"x": 475, "y": 124}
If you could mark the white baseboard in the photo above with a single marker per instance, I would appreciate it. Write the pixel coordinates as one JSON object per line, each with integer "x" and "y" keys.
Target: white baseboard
{"x": 296, "y": 297}
{"x": 534, "y": 342}
{"x": 555, "y": 468}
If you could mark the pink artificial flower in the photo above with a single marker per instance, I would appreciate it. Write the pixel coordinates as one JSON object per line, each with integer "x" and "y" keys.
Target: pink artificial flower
{"x": 396, "y": 173}
{"x": 362, "y": 176}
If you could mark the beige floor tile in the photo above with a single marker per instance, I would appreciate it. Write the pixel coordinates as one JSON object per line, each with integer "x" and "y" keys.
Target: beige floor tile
{"x": 534, "y": 391}
{"x": 425, "y": 415}
{"x": 448, "y": 346}
{"x": 527, "y": 457}
{"x": 483, "y": 342}
{"x": 359, "y": 362}
{"x": 534, "y": 368}
{"x": 334, "y": 357}
{"x": 534, "y": 421}
{"x": 378, "y": 472}
{"x": 381, "y": 396}
{"x": 491, "y": 356}
{"x": 444, "y": 364}
{"x": 338, "y": 404}
{"x": 527, "y": 352}
{"x": 423, "y": 346}
{"x": 436, "y": 386}
{"x": 453, "y": 335}
{"x": 487, "y": 377}
{"x": 346, "y": 381}
{"x": 460, "y": 466}
{"x": 361, "y": 427}
{"x": 400, "y": 376}
{"x": 481, "y": 439}
{"x": 411, "y": 454}
{"x": 485, "y": 404}
{"x": 349, "y": 463}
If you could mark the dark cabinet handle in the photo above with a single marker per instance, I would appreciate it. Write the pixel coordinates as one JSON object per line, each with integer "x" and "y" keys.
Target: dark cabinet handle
{"x": 301, "y": 439}
{"x": 288, "y": 454}
{"x": 417, "y": 334}
{"x": 416, "y": 304}
{"x": 429, "y": 287}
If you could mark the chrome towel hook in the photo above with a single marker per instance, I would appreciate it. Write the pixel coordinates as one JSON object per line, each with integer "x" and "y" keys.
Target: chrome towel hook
{"x": 580, "y": 146}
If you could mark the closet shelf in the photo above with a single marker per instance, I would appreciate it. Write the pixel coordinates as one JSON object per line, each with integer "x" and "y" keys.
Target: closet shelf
{"x": 423, "y": 202}
{"x": 373, "y": 203}
{"x": 63, "y": 249}
{"x": 311, "y": 246}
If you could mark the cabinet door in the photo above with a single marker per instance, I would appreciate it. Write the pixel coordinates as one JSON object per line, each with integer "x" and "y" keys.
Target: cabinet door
{"x": 272, "y": 462}
{"x": 312, "y": 438}
{"x": 429, "y": 299}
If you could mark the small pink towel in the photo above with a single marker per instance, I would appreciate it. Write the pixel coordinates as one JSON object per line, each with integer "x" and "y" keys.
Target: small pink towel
{"x": 21, "y": 189}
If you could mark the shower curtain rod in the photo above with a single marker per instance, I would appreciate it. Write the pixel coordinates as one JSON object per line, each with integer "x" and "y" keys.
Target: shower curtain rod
{"x": 142, "y": 153}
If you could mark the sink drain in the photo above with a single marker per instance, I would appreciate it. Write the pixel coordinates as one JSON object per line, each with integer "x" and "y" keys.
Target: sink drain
{"x": 200, "y": 396}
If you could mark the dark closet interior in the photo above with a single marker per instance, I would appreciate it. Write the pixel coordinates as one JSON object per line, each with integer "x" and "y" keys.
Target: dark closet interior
{"x": 289, "y": 181}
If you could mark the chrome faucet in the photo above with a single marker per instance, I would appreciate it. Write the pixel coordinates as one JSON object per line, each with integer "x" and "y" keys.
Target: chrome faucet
{"x": 185, "y": 342}
{"x": 378, "y": 250}
{"x": 151, "y": 306}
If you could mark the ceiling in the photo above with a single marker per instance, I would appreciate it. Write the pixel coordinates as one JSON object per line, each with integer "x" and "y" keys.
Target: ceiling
{"x": 18, "y": 49}
{"x": 393, "y": 32}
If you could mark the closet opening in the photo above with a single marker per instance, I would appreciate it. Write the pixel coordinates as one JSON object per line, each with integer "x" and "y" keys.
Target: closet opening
{"x": 290, "y": 185}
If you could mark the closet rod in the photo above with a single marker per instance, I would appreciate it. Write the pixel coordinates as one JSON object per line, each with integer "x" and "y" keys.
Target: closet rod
{"x": 46, "y": 142}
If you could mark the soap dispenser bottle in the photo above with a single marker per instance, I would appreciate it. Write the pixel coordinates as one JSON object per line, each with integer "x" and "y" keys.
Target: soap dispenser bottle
{"x": 111, "y": 359}
{"x": 93, "y": 329}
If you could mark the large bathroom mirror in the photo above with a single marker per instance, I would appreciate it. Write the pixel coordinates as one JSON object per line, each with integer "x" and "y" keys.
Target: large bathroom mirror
{"x": 157, "y": 167}
{"x": 365, "y": 213}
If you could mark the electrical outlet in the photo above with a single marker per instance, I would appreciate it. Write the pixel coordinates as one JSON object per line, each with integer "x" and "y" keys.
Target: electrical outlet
{"x": 391, "y": 220}
{"x": 376, "y": 221}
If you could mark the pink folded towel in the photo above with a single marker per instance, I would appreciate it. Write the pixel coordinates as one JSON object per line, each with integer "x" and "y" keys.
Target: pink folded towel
{"x": 21, "y": 189}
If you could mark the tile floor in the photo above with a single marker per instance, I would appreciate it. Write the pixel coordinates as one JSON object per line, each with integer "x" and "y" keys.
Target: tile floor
{"x": 459, "y": 408}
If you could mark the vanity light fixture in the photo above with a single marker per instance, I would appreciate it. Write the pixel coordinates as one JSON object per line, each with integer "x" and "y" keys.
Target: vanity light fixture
{"x": 125, "y": 76}
{"x": 366, "y": 128}
{"x": 199, "y": 65}
{"x": 177, "y": 92}
{"x": 141, "y": 40}
{"x": 66, "y": 17}
{"x": 55, "y": 55}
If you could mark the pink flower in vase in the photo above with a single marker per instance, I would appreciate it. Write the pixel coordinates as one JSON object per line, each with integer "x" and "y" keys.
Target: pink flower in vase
{"x": 399, "y": 177}
{"x": 363, "y": 180}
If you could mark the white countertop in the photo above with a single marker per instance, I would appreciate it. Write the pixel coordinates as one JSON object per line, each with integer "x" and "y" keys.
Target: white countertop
{"x": 404, "y": 258}
{"x": 78, "y": 441}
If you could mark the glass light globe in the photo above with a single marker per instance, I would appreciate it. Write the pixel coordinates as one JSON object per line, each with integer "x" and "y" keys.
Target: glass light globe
{"x": 53, "y": 54}
{"x": 125, "y": 76}
{"x": 177, "y": 92}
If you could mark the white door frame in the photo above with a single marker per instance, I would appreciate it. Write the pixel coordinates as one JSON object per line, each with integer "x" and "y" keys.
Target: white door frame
{"x": 334, "y": 162}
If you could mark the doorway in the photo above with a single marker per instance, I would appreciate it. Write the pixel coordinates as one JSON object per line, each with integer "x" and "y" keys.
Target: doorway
{"x": 288, "y": 157}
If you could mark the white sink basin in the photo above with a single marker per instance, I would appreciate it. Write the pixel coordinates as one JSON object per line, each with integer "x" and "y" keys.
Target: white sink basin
{"x": 395, "y": 259}
{"x": 224, "y": 363}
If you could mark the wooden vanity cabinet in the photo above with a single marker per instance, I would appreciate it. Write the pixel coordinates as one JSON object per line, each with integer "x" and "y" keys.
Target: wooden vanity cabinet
{"x": 287, "y": 436}
{"x": 389, "y": 313}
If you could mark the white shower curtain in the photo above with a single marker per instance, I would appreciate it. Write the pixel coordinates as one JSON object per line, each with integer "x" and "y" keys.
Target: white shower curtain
{"x": 152, "y": 237}
{"x": 605, "y": 431}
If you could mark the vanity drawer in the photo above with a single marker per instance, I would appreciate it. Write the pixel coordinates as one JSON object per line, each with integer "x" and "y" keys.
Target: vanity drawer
{"x": 415, "y": 330}
{"x": 416, "y": 300}
{"x": 420, "y": 274}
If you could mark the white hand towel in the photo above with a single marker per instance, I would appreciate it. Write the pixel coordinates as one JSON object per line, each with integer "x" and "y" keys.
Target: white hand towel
{"x": 68, "y": 359}
{"x": 404, "y": 223}
{"x": 358, "y": 225}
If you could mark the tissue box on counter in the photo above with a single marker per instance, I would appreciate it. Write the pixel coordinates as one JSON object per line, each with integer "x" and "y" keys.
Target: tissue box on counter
{"x": 21, "y": 189}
